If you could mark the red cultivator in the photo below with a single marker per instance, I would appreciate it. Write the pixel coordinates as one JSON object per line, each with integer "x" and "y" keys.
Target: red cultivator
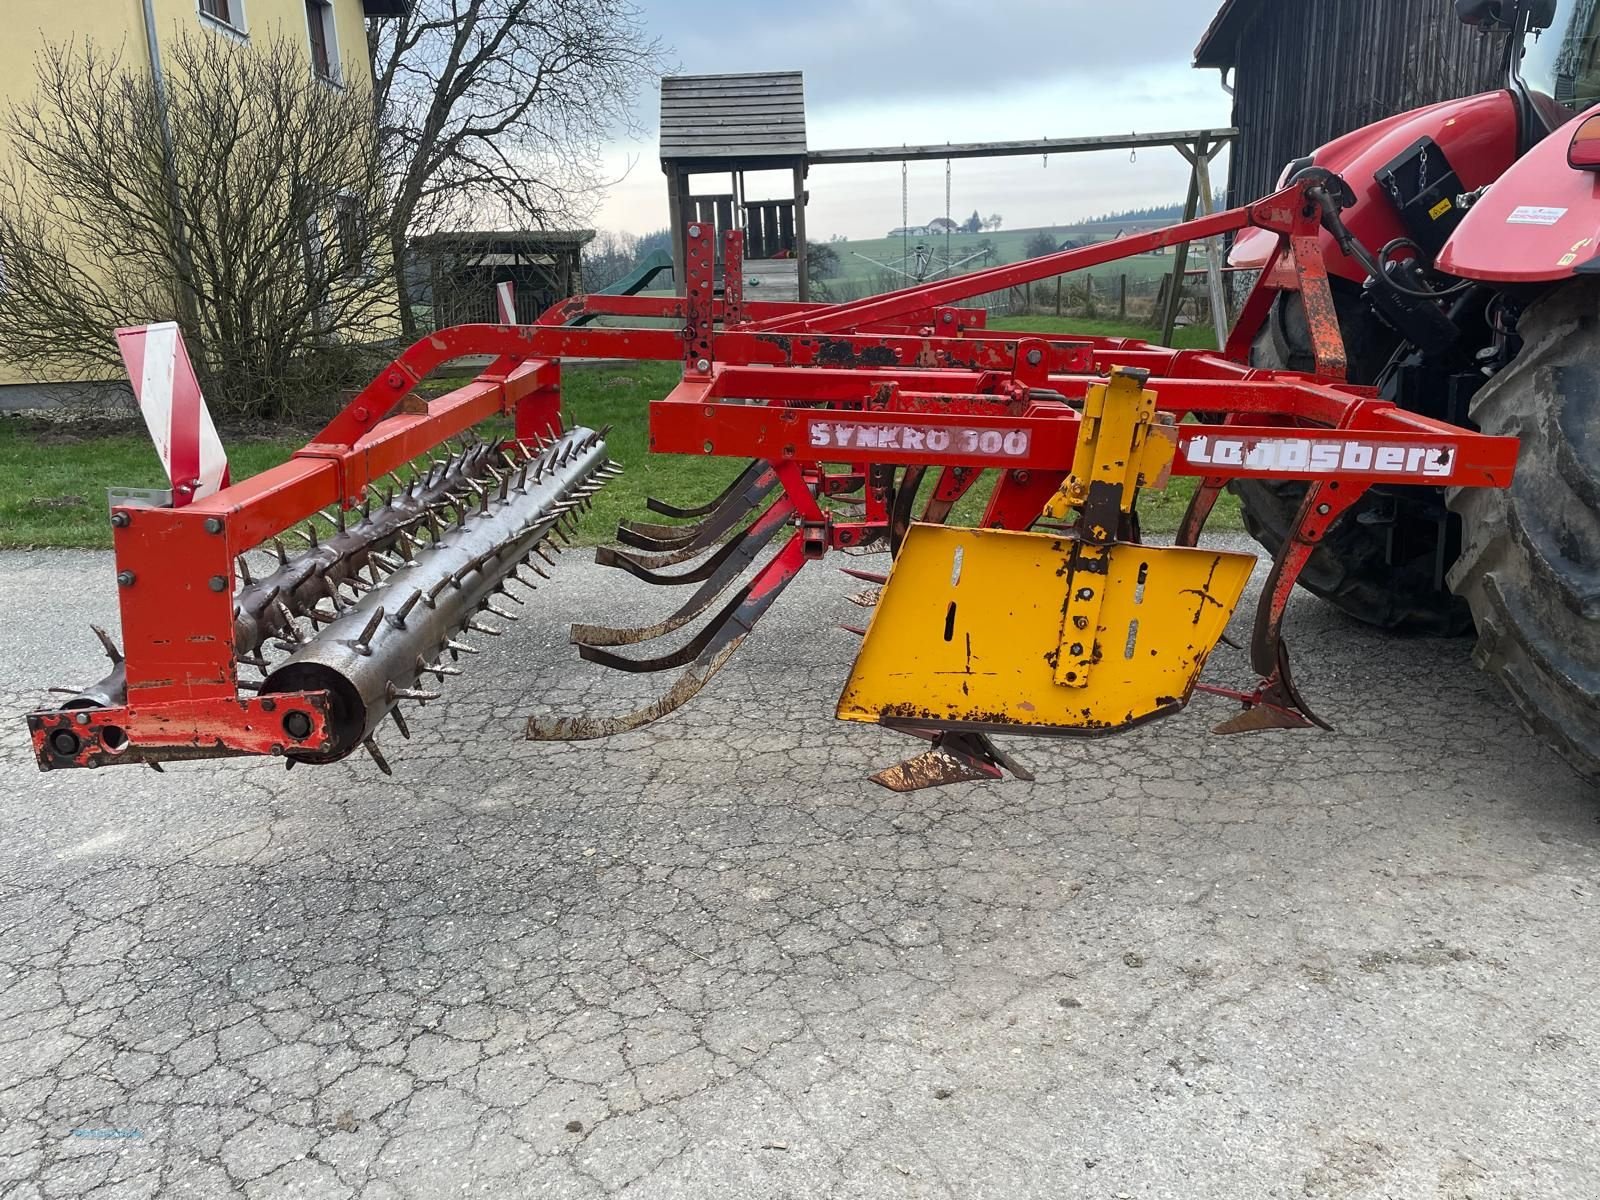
{"x": 1075, "y": 628}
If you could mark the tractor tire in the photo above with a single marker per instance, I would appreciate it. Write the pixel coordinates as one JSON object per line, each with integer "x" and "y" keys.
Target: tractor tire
{"x": 1350, "y": 569}
{"x": 1530, "y": 565}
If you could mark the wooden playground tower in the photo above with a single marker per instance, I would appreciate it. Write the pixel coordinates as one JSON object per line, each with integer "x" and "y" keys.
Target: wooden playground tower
{"x": 732, "y": 125}
{"x": 728, "y": 127}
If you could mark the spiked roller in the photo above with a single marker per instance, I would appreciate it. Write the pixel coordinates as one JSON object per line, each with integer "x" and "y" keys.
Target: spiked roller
{"x": 372, "y": 655}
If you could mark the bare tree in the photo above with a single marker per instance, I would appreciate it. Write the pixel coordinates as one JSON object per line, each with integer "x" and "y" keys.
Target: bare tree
{"x": 262, "y": 232}
{"x": 492, "y": 112}
{"x": 608, "y": 258}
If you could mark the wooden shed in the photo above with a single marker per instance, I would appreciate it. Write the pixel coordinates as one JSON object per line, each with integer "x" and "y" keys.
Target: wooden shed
{"x": 1306, "y": 72}
{"x": 729, "y": 127}
{"x": 455, "y": 273}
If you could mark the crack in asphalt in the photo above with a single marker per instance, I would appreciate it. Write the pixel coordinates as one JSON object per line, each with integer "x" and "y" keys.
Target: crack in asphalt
{"x": 709, "y": 959}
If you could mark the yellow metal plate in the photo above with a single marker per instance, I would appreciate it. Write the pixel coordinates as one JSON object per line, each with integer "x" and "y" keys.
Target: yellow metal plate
{"x": 969, "y": 631}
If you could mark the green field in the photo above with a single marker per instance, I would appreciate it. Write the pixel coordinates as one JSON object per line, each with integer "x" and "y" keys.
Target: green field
{"x": 54, "y": 474}
{"x": 1009, "y": 245}
{"x": 860, "y": 261}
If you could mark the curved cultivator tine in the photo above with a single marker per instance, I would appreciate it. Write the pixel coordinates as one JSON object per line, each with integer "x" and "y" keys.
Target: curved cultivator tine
{"x": 585, "y": 729}
{"x": 710, "y": 506}
{"x": 904, "y": 508}
{"x": 728, "y": 564}
{"x": 712, "y": 649}
{"x": 698, "y": 537}
{"x": 676, "y": 534}
{"x": 1276, "y": 704}
{"x": 739, "y": 551}
{"x": 610, "y": 556}
{"x": 680, "y": 657}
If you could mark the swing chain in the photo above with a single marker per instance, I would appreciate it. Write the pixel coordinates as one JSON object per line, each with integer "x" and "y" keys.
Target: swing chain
{"x": 948, "y": 257}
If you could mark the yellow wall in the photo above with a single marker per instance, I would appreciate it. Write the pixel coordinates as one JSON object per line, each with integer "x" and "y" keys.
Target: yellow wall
{"x": 30, "y": 23}
{"x": 119, "y": 25}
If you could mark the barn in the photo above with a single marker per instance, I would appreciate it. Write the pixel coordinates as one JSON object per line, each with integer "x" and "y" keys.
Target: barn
{"x": 1304, "y": 73}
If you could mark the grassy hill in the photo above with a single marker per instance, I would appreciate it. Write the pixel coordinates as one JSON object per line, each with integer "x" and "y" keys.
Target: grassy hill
{"x": 858, "y": 271}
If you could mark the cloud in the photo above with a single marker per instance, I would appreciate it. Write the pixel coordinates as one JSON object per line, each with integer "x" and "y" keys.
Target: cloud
{"x": 885, "y": 72}
{"x": 940, "y": 50}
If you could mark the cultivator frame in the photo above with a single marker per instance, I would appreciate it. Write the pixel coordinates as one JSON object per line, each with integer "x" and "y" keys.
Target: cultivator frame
{"x": 828, "y": 402}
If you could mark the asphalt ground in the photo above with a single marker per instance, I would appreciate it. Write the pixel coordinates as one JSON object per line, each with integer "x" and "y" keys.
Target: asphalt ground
{"x": 711, "y": 960}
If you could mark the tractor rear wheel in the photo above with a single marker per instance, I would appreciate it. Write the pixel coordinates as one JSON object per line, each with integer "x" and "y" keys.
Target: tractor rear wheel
{"x": 1380, "y": 562}
{"x": 1530, "y": 566}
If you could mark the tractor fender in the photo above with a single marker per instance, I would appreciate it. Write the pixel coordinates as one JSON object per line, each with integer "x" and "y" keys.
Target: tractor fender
{"x": 1539, "y": 223}
{"x": 1478, "y": 134}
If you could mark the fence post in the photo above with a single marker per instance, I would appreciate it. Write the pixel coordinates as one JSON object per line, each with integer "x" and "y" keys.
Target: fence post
{"x": 1088, "y": 296}
{"x": 1122, "y": 299}
{"x": 1058, "y": 295}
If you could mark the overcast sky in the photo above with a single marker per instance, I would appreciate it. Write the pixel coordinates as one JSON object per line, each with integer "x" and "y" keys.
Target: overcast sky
{"x": 882, "y": 72}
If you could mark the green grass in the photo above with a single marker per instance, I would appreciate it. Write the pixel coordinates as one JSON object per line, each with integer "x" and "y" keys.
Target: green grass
{"x": 53, "y": 478}
{"x": 618, "y": 394}
{"x": 54, "y": 475}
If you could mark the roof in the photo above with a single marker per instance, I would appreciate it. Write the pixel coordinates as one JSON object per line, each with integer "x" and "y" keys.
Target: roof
{"x": 732, "y": 117}
{"x": 1219, "y": 47}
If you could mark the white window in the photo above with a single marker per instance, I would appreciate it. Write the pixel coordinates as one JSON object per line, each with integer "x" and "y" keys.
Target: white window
{"x": 324, "y": 40}
{"x": 227, "y": 13}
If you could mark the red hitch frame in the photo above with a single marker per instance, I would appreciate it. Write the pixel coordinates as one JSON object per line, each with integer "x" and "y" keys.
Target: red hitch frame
{"x": 826, "y": 400}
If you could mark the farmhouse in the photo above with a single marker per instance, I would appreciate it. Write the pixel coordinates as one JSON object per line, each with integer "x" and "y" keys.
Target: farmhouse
{"x": 332, "y": 32}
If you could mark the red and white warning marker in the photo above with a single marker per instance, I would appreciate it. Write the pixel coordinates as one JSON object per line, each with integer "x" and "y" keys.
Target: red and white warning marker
{"x": 168, "y": 393}
{"x": 506, "y": 296}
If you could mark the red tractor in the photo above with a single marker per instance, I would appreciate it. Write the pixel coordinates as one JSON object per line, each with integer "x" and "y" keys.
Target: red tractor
{"x": 1466, "y": 284}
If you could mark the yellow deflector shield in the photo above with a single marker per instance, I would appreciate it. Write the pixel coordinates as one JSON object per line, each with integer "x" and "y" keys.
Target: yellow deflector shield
{"x": 974, "y": 627}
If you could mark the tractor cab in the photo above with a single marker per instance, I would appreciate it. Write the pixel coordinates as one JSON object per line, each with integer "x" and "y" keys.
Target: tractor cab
{"x": 1554, "y": 62}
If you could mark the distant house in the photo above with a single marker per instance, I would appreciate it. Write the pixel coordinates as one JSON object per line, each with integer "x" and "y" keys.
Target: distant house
{"x": 1369, "y": 61}
{"x": 943, "y": 225}
{"x": 909, "y": 231}
{"x": 1158, "y": 252}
